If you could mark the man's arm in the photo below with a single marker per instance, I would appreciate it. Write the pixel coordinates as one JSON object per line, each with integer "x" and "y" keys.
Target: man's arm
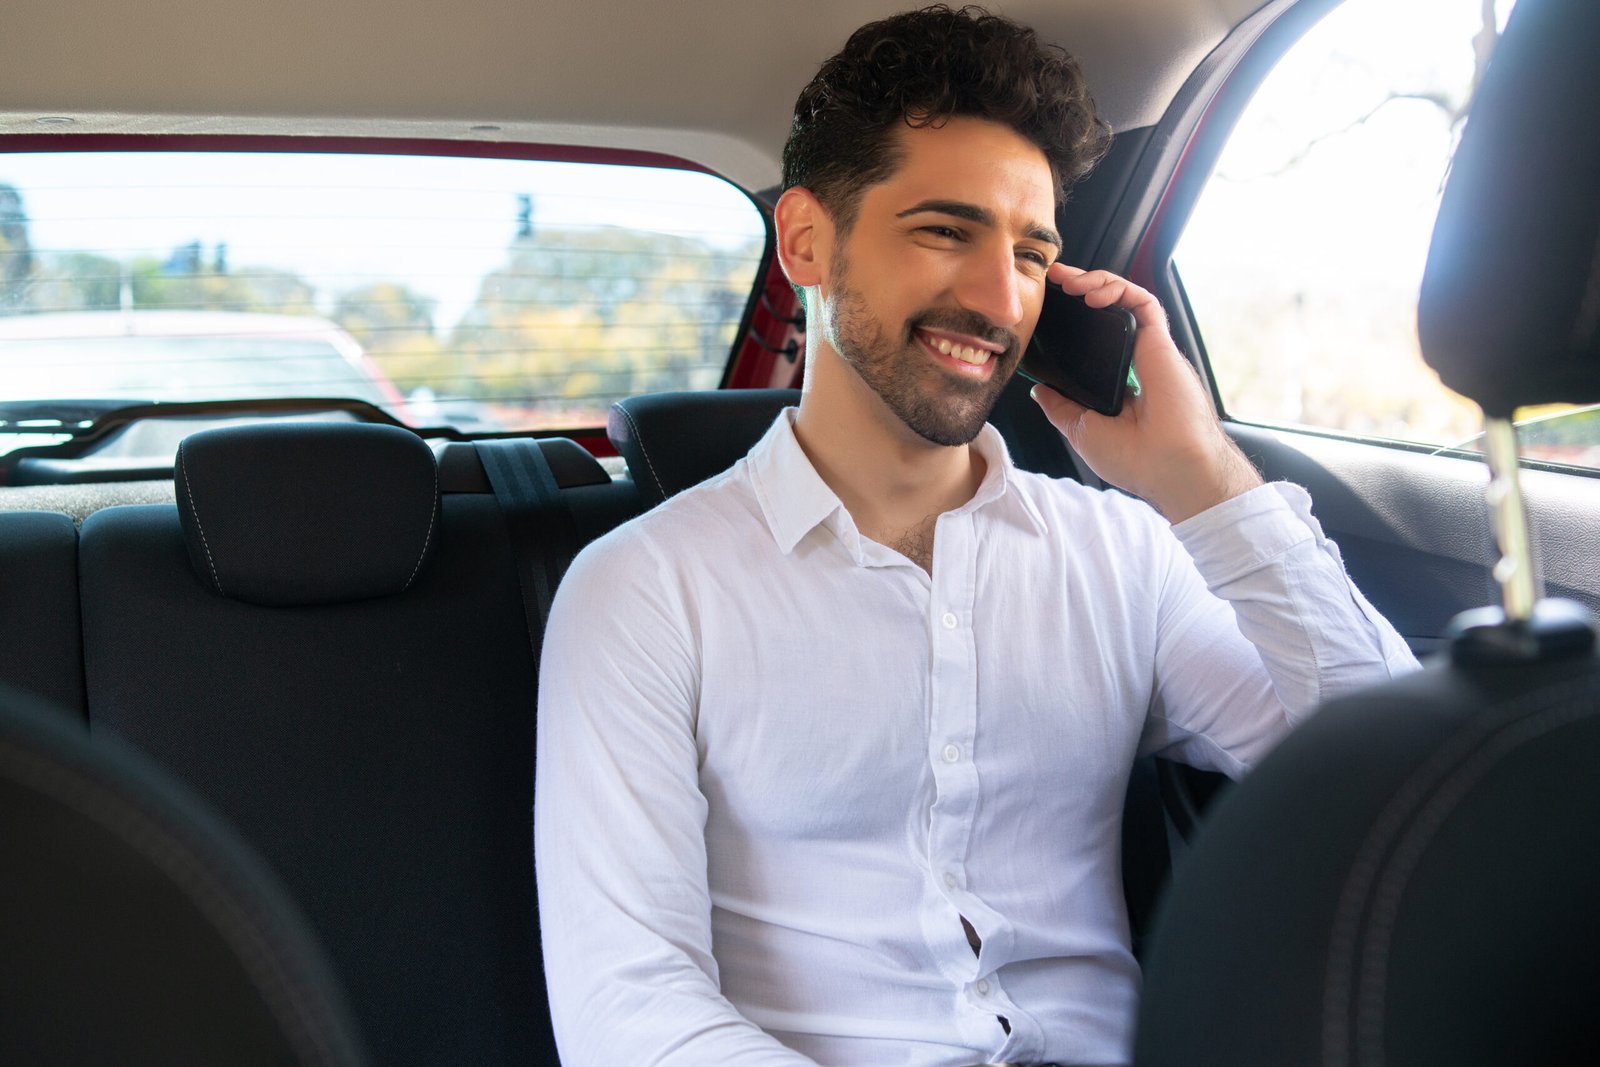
{"x": 1258, "y": 625}
{"x": 1228, "y": 682}
{"x": 624, "y": 907}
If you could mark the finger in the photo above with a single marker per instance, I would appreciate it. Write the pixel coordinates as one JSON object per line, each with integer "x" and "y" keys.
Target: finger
{"x": 1067, "y": 416}
{"x": 1101, "y": 288}
{"x": 1059, "y": 272}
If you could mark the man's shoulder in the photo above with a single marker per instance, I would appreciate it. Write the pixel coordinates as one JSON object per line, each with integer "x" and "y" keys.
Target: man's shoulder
{"x": 697, "y": 524}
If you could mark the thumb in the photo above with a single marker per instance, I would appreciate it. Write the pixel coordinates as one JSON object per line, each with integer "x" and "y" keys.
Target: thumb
{"x": 1068, "y": 416}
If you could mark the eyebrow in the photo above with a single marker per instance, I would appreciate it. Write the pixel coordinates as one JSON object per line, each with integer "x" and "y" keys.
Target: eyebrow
{"x": 973, "y": 213}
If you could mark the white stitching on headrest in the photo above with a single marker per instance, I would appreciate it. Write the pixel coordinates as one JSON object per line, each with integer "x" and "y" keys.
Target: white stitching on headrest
{"x": 660, "y": 486}
{"x": 433, "y": 517}
{"x": 188, "y": 490}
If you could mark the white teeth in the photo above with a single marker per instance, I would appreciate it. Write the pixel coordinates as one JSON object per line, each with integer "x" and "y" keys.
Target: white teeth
{"x": 965, "y": 353}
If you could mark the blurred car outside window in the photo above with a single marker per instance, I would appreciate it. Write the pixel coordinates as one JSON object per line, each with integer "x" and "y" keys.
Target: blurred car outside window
{"x": 489, "y": 294}
{"x": 1303, "y": 258}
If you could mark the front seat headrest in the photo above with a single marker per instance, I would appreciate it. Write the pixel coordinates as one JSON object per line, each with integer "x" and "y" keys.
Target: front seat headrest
{"x": 137, "y": 928}
{"x": 1509, "y": 313}
{"x": 307, "y": 513}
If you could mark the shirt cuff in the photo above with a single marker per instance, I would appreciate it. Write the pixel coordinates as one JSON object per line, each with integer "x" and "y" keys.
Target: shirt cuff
{"x": 1248, "y": 532}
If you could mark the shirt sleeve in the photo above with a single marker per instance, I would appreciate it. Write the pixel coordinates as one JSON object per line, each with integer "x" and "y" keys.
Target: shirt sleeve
{"x": 1259, "y": 625}
{"x": 619, "y": 821}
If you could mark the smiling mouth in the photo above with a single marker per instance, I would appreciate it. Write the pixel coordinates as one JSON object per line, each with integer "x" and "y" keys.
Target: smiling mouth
{"x": 974, "y": 356}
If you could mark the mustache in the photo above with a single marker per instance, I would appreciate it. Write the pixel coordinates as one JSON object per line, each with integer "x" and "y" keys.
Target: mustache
{"x": 968, "y": 322}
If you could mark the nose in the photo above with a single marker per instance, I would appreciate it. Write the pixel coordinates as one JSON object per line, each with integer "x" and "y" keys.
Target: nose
{"x": 991, "y": 285}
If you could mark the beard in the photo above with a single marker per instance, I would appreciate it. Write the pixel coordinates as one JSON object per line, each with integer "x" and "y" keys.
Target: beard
{"x": 935, "y": 405}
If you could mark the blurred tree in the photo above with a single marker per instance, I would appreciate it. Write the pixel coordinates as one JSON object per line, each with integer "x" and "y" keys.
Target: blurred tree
{"x": 395, "y": 325}
{"x": 16, "y": 252}
{"x": 582, "y": 317}
{"x": 182, "y": 281}
{"x": 74, "y": 281}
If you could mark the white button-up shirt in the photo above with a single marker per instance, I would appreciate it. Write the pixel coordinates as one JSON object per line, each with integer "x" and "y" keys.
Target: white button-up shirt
{"x": 779, "y": 762}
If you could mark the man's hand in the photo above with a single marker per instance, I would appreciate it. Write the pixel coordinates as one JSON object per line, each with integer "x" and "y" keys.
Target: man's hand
{"x": 1167, "y": 446}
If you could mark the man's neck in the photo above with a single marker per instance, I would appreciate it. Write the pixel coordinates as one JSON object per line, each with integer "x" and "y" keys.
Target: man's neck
{"x": 894, "y": 483}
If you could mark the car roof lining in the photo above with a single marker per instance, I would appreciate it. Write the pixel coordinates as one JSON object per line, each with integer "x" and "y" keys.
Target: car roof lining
{"x": 418, "y": 70}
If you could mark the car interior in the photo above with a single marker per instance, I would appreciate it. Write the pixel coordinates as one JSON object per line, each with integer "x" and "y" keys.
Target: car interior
{"x": 267, "y": 701}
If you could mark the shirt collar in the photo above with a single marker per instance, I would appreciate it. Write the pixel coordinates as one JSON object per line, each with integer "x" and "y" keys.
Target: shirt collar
{"x": 795, "y": 500}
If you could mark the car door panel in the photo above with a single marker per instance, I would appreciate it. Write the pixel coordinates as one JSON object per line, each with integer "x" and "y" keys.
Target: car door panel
{"x": 1413, "y": 528}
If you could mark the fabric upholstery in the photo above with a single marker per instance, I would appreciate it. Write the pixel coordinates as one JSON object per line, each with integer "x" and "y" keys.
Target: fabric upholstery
{"x": 307, "y": 513}
{"x": 41, "y": 651}
{"x": 379, "y": 753}
{"x": 672, "y": 441}
{"x": 135, "y": 928}
{"x": 1409, "y": 880}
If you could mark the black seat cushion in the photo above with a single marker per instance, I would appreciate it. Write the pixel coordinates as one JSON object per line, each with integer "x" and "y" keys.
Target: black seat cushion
{"x": 135, "y": 928}
{"x": 672, "y": 441}
{"x": 307, "y": 513}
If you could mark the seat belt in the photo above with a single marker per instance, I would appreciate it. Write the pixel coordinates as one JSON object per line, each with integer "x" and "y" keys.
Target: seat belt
{"x": 544, "y": 536}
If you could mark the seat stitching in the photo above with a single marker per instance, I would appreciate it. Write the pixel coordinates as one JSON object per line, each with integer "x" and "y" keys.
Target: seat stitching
{"x": 168, "y": 847}
{"x": 1418, "y": 806}
{"x": 1408, "y": 856}
{"x": 188, "y": 489}
{"x": 433, "y": 517}
{"x": 637, "y": 436}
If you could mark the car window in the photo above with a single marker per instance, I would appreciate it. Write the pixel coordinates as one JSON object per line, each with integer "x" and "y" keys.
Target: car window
{"x": 1303, "y": 258}
{"x": 489, "y": 294}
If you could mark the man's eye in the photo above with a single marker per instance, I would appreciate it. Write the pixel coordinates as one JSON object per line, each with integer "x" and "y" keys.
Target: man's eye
{"x": 1036, "y": 258}
{"x": 948, "y": 232}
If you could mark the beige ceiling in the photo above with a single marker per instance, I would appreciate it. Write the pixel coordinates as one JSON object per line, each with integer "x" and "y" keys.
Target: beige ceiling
{"x": 710, "y": 79}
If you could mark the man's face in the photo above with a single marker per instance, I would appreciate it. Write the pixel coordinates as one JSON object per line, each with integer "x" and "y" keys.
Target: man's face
{"x": 936, "y": 288}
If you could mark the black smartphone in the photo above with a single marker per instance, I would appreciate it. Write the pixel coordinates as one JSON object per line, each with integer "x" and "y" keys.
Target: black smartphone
{"x": 1084, "y": 353}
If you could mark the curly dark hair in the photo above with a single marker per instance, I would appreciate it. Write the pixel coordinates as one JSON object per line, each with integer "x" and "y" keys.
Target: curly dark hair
{"x": 921, "y": 68}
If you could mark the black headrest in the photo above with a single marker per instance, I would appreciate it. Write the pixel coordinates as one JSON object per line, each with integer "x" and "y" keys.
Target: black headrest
{"x": 1510, "y": 306}
{"x": 307, "y": 513}
{"x": 672, "y": 441}
{"x": 137, "y": 928}
{"x": 1410, "y": 878}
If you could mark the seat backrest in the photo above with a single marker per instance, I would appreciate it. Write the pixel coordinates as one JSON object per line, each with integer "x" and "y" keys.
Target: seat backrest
{"x": 135, "y": 928}
{"x": 1409, "y": 879}
{"x": 40, "y": 649}
{"x": 334, "y": 654}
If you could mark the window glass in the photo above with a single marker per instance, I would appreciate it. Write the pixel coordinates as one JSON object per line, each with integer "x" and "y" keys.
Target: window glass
{"x": 1304, "y": 255}
{"x": 491, "y": 294}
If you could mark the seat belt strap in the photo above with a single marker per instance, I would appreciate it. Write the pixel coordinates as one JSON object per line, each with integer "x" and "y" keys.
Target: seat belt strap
{"x": 544, "y": 537}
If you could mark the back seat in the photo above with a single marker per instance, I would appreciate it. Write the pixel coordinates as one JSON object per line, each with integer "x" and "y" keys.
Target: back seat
{"x": 325, "y": 638}
{"x": 332, "y": 651}
{"x": 41, "y": 652}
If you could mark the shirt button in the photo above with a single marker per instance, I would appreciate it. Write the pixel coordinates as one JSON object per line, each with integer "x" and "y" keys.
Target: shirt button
{"x": 949, "y": 879}
{"x": 983, "y": 987}
{"x": 950, "y": 620}
{"x": 951, "y": 753}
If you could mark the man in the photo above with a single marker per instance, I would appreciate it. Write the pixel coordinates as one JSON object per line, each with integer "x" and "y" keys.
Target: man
{"x": 833, "y": 747}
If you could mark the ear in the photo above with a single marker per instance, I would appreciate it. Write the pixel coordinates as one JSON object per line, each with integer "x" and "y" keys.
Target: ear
{"x": 805, "y": 237}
